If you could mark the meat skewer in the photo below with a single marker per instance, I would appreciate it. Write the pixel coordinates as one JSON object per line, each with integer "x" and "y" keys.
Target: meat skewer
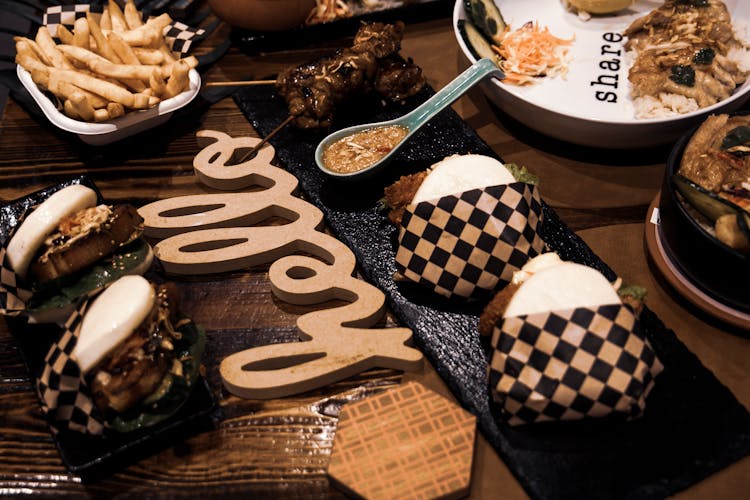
{"x": 313, "y": 90}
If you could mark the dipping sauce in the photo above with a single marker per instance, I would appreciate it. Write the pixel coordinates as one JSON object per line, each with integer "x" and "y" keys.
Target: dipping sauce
{"x": 358, "y": 151}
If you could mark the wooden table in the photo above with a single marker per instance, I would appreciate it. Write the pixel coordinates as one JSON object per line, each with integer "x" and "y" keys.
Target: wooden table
{"x": 282, "y": 447}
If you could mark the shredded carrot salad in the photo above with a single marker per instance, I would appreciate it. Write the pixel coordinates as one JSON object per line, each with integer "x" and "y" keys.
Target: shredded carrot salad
{"x": 530, "y": 52}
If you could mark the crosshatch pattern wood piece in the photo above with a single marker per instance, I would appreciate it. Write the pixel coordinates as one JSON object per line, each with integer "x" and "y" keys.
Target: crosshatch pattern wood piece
{"x": 407, "y": 442}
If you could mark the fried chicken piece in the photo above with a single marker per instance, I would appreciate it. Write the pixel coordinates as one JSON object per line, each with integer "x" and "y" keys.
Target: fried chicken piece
{"x": 399, "y": 194}
{"x": 493, "y": 311}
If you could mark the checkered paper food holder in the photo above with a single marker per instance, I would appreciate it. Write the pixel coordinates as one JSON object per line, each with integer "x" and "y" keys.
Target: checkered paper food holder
{"x": 179, "y": 36}
{"x": 64, "y": 394}
{"x": 61, "y": 387}
{"x": 469, "y": 244}
{"x": 571, "y": 364}
{"x": 14, "y": 291}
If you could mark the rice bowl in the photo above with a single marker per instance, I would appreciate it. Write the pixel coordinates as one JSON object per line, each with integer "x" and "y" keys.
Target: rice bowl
{"x": 592, "y": 105}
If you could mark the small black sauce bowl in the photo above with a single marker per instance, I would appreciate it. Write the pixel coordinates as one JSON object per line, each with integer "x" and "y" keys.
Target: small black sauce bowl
{"x": 718, "y": 270}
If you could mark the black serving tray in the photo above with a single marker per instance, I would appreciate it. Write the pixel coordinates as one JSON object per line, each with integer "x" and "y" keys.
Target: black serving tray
{"x": 693, "y": 425}
{"x": 266, "y": 41}
{"x": 92, "y": 456}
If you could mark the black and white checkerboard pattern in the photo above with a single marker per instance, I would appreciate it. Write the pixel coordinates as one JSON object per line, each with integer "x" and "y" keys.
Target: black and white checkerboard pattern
{"x": 567, "y": 365}
{"x": 13, "y": 292}
{"x": 469, "y": 244}
{"x": 65, "y": 395}
{"x": 179, "y": 36}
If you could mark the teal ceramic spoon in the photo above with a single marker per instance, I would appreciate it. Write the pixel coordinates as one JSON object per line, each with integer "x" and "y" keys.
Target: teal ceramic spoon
{"x": 411, "y": 121}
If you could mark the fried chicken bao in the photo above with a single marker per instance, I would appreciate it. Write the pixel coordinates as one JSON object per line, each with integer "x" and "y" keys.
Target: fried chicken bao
{"x": 372, "y": 64}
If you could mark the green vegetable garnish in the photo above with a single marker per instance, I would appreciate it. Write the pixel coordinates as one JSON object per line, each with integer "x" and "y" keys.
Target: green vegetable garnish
{"x": 636, "y": 291}
{"x": 522, "y": 174}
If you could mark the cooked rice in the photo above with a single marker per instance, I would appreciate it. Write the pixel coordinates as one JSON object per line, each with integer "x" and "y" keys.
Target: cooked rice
{"x": 675, "y": 104}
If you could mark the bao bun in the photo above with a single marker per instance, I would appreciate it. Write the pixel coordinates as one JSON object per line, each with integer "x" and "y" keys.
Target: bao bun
{"x": 43, "y": 220}
{"x": 561, "y": 286}
{"x": 459, "y": 173}
{"x": 113, "y": 317}
{"x": 69, "y": 245}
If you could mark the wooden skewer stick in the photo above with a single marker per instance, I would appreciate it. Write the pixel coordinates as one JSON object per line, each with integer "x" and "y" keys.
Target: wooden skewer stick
{"x": 242, "y": 83}
{"x": 267, "y": 138}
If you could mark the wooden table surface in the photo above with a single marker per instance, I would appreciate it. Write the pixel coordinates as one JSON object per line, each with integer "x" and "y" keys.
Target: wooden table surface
{"x": 282, "y": 447}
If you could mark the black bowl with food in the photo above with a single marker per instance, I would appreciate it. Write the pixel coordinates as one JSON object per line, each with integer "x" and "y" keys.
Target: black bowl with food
{"x": 705, "y": 208}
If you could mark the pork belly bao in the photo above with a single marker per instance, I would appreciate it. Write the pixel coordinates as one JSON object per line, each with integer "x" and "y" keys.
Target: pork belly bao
{"x": 465, "y": 225}
{"x": 138, "y": 355}
{"x": 566, "y": 345}
{"x": 68, "y": 246}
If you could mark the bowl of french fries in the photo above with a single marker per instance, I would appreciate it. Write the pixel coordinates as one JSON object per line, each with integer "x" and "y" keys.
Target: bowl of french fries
{"x": 110, "y": 75}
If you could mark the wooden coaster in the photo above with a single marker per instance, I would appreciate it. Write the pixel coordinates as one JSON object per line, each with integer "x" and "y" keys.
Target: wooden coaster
{"x": 407, "y": 442}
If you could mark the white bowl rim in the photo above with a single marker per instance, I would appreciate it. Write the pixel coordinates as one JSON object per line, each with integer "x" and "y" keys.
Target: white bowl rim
{"x": 460, "y": 13}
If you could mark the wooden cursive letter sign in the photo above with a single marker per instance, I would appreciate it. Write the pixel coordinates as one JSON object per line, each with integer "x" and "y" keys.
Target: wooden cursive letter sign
{"x": 221, "y": 232}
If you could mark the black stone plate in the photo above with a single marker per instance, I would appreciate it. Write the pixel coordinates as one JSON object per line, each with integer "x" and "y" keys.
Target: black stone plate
{"x": 90, "y": 456}
{"x": 693, "y": 425}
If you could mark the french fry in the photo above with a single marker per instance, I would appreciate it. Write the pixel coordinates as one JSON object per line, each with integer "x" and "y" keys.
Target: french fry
{"x": 148, "y": 56}
{"x": 178, "y": 80}
{"x": 132, "y": 16}
{"x": 70, "y": 110}
{"x": 66, "y": 90}
{"x": 102, "y": 45}
{"x": 31, "y": 48}
{"x": 82, "y": 106}
{"x": 117, "y": 18}
{"x": 98, "y": 86}
{"x": 191, "y": 61}
{"x": 144, "y": 36}
{"x": 115, "y": 110}
{"x": 81, "y": 34}
{"x": 159, "y": 22}
{"x": 47, "y": 45}
{"x": 96, "y": 63}
{"x": 141, "y": 101}
{"x": 124, "y": 51}
{"x": 40, "y": 77}
{"x": 64, "y": 34}
{"x": 151, "y": 34}
{"x": 101, "y": 115}
{"x": 157, "y": 84}
{"x": 105, "y": 22}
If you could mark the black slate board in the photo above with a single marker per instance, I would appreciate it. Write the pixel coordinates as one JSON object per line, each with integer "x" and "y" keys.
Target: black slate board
{"x": 693, "y": 425}
{"x": 91, "y": 456}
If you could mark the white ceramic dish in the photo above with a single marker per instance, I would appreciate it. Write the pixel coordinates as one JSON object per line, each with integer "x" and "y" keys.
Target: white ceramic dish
{"x": 119, "y": 128}
{"x": 567, "y": 108}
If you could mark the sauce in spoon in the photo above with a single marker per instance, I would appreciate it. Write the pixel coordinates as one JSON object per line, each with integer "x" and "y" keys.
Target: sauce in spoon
{"x": 357, "y": 151}
{"x": 378, "y": 142}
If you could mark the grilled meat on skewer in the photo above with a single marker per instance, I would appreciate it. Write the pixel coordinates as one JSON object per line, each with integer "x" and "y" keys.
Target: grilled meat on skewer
{"x": 313, "y": 90}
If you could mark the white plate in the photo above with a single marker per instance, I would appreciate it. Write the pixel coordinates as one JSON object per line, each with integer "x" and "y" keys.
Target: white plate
{"x": 568, "y": 108}
{"x": 119, "y": 128}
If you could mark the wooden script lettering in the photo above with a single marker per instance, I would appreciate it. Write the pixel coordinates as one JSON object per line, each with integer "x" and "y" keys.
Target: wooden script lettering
{"x": 221, "y": 232}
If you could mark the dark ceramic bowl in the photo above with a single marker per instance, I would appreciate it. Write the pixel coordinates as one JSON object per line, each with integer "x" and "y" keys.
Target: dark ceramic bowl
{"x": 720, "y": 271}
